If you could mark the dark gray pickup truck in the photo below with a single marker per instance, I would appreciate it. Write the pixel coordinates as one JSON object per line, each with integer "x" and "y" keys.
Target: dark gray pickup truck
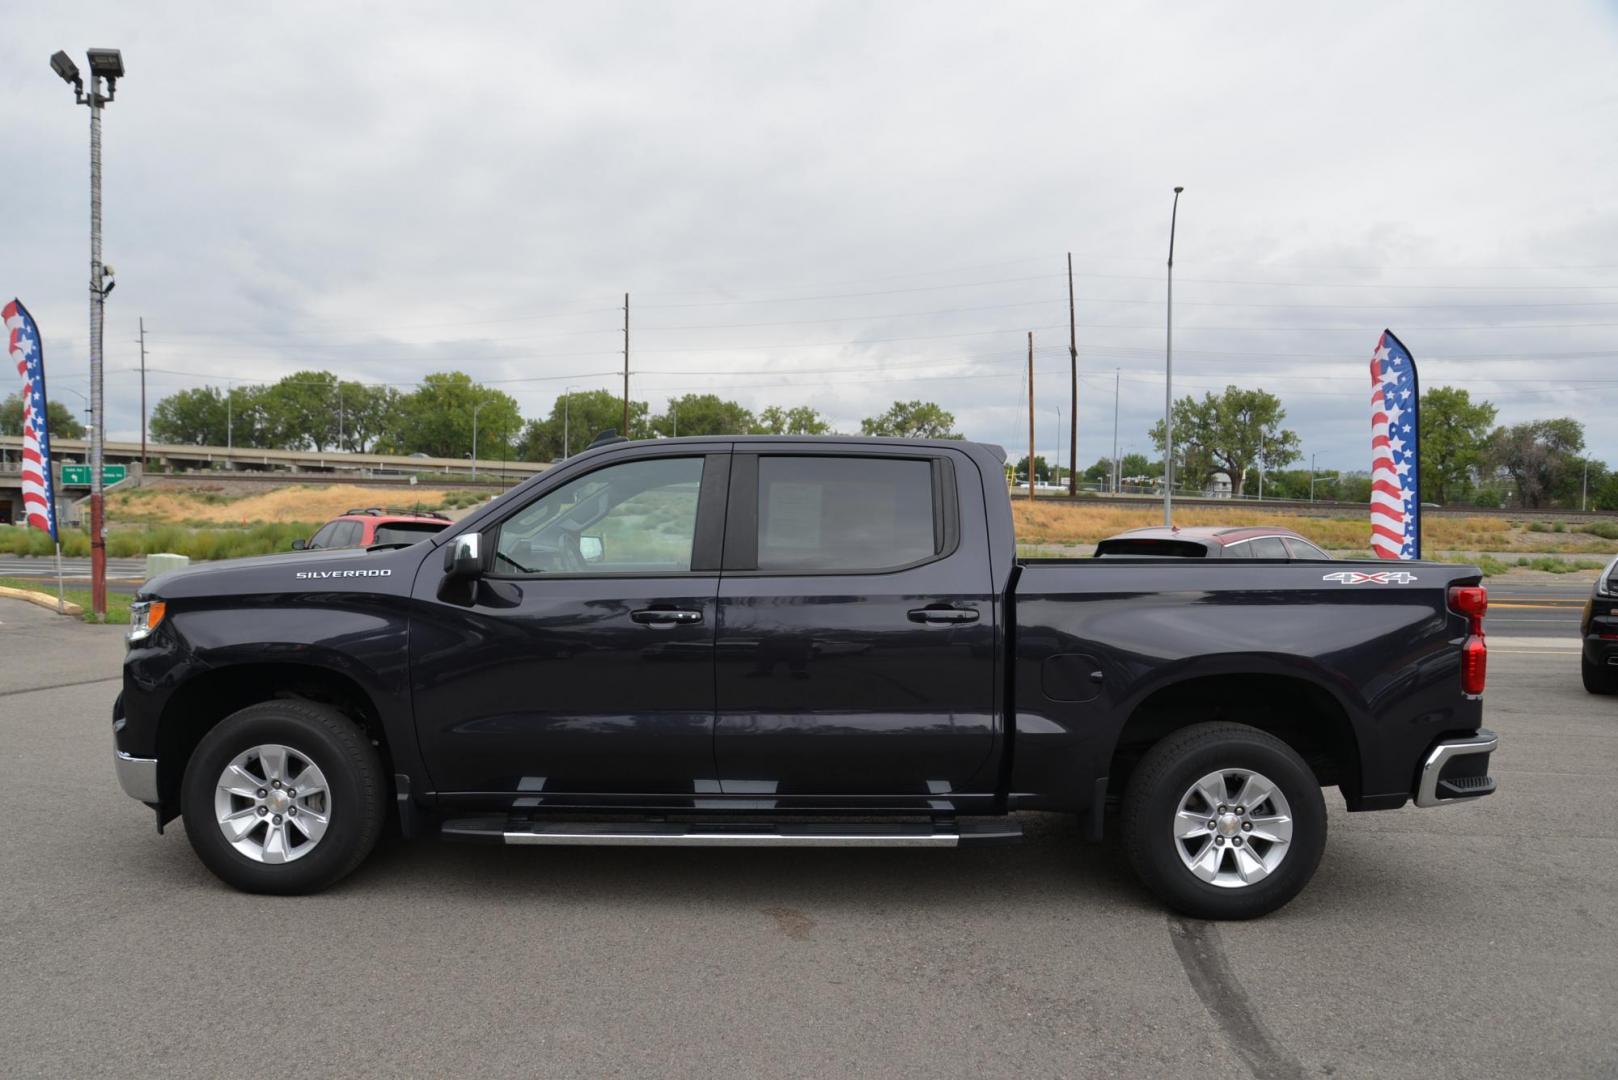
{"x": 794, "y": 642}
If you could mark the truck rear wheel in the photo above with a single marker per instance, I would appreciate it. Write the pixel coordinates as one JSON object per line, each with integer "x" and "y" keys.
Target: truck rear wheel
{"x": 283, "y": 797}
{"x": 1223, "y": 821}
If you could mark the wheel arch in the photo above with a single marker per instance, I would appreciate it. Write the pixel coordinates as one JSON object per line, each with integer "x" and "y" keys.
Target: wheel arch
{"x": 209, "y": 697}
{"x": 1299, "y": 711}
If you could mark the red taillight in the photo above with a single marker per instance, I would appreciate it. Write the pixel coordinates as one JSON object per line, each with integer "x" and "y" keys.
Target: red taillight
{"x": 1473, "y": 602}
{"x": 1474, "y": 665}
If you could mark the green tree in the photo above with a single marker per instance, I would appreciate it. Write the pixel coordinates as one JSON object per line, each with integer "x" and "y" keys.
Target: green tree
{"x": 1229, "y": 433}
{"x": 1042, "y": 469}
{"x": 63, "y": 424}
{"x": 1099, "y": 473}
{"x": 912, "y": 420}
{"x": 1139, "y": 465}
{"x": 369, "y": 413}
{"x": 1541, "y": 459}
{"x": 799, "y": 420}
{"x": 703, "y": 414}
{"x": 436, "y": 419}
{"x": 193, "y": 417}
{"x": 1454, "y": 442}
{"x": 579, "y": 418}
{"x": 302, "y": 410}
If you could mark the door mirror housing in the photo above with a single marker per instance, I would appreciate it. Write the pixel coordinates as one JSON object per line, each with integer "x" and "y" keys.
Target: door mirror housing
{"x": 300, "y": 544}
{"x": 591, "y": 549}
{"x": 467, "y": 557}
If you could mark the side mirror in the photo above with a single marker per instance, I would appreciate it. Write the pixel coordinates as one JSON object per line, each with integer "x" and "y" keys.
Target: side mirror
{"x": 466, "y": 557}
{"x": 299, "y": 544}
{"x": 591, "y": 549}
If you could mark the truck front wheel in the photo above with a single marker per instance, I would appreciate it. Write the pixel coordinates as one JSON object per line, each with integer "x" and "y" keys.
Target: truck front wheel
{"x": 1223, "y": 821}
{"x": 284, "y": 797}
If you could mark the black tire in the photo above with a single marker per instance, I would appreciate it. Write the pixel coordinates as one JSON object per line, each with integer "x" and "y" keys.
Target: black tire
{"x": 1167, "y": 773}
{"x": 1597, "y": 680}
{"x": 354, "y": 777}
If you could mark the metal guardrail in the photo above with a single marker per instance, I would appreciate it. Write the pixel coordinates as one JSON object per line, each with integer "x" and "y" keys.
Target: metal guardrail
{"x": 290, "y": 459}
{"x": 1319, "y": 507}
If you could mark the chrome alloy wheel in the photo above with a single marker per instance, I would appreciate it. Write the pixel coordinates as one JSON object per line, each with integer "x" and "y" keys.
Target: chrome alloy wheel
{"x": 1233, "y": 828}
{"x": 272, "y": 804}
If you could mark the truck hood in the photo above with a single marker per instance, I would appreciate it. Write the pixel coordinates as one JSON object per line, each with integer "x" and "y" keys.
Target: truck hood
{"x": 387, "y": 570}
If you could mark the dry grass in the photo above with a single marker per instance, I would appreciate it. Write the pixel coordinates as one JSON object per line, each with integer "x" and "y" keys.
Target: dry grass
{"x": 1052, "y": 522}
{"x": 169, "y": 505}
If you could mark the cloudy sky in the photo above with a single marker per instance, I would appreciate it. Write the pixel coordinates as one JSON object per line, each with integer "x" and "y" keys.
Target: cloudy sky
{"x": 837, "y": 204}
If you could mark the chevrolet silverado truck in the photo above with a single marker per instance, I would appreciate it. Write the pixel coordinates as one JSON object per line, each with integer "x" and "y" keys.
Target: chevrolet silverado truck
{"x": 793, "y": 642}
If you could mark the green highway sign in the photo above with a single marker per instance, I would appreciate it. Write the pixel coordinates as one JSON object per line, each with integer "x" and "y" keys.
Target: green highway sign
{"x": 79, "y": 475}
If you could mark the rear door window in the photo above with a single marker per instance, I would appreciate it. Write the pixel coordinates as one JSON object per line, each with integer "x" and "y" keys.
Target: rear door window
{"x": 323, "y": 538}
{"x": 1266, "y": 547}
{"x": 1303, "y": 549}
{"x": 846, "y": 513}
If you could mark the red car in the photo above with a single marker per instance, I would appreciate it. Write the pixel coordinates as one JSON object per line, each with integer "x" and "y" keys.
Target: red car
{"x": 1211, "y": 542}
{"x": 376, "y": 525}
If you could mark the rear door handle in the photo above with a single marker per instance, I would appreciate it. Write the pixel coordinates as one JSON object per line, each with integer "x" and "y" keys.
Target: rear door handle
{"x": 666, "y": 617}
{"x": 943, "y": 615}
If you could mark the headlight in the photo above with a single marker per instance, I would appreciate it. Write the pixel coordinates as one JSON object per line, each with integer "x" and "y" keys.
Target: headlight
{"x": 144, "y": 617}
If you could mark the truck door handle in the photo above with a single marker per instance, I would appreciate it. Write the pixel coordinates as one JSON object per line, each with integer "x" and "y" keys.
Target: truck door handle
{"x": 666, "y": 616}
{"x": 943, "y": 615}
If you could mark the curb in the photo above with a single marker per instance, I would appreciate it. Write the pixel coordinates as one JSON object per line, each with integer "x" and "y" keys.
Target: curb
{"x": 40, "y": 599}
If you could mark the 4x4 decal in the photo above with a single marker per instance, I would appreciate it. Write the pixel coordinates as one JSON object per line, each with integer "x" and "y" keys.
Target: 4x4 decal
{"x": 1378, "y": 577}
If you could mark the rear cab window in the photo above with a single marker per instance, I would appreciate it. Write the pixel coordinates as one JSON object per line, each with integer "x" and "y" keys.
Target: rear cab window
{"x": 828, "y": 513}
{"x": 1151, "y": 548}
{"x": 405, "y": 532}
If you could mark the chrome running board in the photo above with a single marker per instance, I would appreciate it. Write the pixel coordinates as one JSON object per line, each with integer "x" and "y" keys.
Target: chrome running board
{"x": 748, "y": 834}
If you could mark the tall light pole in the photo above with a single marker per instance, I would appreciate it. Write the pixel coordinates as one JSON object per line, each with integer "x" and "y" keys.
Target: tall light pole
{"x": 475, "y": 410}
{"x": 105, "y": 64}
{"x": 1057, "y": 468}
{"x": 567, "y": 404}
{"x": 1168, "y": 378}
{"x": 1115, "y": 472}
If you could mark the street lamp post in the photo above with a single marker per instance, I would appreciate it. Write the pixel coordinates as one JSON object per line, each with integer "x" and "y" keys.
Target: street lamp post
{"x": 1057, "y": 468}
{"x": 475, "y": 410}
{"x": 567, "y": 403}
{"x": 1115, "y": 472}
{"x": 105, "y": 64}
{"x": 1168, "y": 378}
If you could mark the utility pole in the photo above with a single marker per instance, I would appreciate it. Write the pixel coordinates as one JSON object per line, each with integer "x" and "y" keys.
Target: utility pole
{"x": 1168, "y": 379}
{"x": 1030, "y": 416}
{"x": 1584, "y": 495}
{"x": 1073, "y": 412}
{"x": 143, "y": 399}
{"x": 1116, "y": 471}
{"x": 625, "y": 431}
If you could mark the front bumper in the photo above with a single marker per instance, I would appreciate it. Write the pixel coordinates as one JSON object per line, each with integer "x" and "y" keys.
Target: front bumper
{"x": 137, "y": 776}
{"x": 1457, "y": 770}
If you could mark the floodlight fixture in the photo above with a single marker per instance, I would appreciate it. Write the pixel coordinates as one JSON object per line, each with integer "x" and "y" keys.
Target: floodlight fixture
{"x": 105, "y": 63}
{"x": 66, "y": 69}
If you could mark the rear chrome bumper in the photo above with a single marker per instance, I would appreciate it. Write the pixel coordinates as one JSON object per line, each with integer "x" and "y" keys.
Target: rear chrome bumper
{"x": 137, "y": 776}
{"x": 1428, "y": 789}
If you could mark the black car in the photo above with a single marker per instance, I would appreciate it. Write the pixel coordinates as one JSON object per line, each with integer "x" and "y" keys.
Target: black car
{"x": 1599, "y": 664}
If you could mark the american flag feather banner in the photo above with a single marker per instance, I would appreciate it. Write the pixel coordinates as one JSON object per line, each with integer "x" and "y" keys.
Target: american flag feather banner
{"x": 28, "y": 353}
{"x": 1395, "y": 451}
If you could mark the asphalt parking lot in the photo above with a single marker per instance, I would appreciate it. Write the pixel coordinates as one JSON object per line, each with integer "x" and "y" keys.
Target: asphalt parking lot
{"x": 1473, "y": 941}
